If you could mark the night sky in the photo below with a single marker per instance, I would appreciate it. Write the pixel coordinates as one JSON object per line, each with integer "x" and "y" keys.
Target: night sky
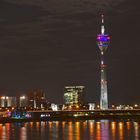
{"x": 50, "y": 44}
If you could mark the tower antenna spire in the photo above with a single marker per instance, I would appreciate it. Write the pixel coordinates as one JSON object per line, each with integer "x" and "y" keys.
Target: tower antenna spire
{"x": 102, "y": 16}
{"x": 102, "y": 26}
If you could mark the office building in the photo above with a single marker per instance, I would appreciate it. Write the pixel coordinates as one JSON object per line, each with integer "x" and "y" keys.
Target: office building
{"x": 8, "y": 101}
{"x": 73, "y": 97}
{"x": 36, "y": 99}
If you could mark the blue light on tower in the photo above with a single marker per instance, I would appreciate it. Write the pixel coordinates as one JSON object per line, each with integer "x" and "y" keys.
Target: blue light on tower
{"x": 103, "y": 43}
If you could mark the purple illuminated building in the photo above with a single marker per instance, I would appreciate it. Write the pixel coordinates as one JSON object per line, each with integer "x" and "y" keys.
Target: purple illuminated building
{"x": 103, "y": 42}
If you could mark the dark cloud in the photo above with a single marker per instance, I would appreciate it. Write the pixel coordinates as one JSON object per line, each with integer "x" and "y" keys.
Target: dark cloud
{"x": 16, "y": 14}
{"x": 64, "y": 7}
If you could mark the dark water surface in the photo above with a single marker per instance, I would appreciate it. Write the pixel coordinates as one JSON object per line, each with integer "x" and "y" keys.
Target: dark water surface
{"x": 77, "y": 130}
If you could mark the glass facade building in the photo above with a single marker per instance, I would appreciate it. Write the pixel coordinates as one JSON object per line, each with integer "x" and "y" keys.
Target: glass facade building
{"x": 73, "y": 97}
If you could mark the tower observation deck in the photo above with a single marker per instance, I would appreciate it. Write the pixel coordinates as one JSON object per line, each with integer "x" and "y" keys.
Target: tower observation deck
{"x": 103, "y": 43}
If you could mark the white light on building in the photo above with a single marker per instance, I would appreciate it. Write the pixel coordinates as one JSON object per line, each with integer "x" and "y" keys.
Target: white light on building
{"x": 54, "y": 107}
{"x": 91, "y": 106}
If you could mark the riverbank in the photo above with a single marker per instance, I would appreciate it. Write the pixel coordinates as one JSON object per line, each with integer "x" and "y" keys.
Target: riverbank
{"x": 75, "y": 115}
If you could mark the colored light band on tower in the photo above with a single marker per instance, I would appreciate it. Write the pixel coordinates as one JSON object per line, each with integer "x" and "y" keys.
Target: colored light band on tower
{"x": 104, "y": 37}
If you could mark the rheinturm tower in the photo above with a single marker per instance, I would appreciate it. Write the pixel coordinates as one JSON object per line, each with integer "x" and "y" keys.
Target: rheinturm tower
{"x": 103, "y": 43}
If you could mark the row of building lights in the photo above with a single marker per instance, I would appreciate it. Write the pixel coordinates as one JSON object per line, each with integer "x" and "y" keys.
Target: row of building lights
{"x": 73, "y": 100}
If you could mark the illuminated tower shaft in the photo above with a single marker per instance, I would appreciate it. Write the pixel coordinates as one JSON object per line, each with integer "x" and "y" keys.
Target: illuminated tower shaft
{"x": 103, "y": 42}
{"x": 104, "y": 95}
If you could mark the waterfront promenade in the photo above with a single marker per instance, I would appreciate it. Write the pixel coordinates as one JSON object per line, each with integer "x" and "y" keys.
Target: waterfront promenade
{"x": 71, "y": 115}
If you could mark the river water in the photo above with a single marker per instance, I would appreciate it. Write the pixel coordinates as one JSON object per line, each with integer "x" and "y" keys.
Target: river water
{"x": 71, "y": 130}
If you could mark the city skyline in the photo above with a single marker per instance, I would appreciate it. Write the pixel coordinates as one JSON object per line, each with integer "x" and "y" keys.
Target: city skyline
{"x": 51, "y": 45}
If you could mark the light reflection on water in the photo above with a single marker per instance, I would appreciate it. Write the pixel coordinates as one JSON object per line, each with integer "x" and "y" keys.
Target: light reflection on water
{"x": 113, "y": 128}
{"x": 71, "y": 130}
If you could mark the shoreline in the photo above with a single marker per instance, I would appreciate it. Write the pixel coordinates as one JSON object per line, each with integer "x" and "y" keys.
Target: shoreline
{"x": 76, "y": 115}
